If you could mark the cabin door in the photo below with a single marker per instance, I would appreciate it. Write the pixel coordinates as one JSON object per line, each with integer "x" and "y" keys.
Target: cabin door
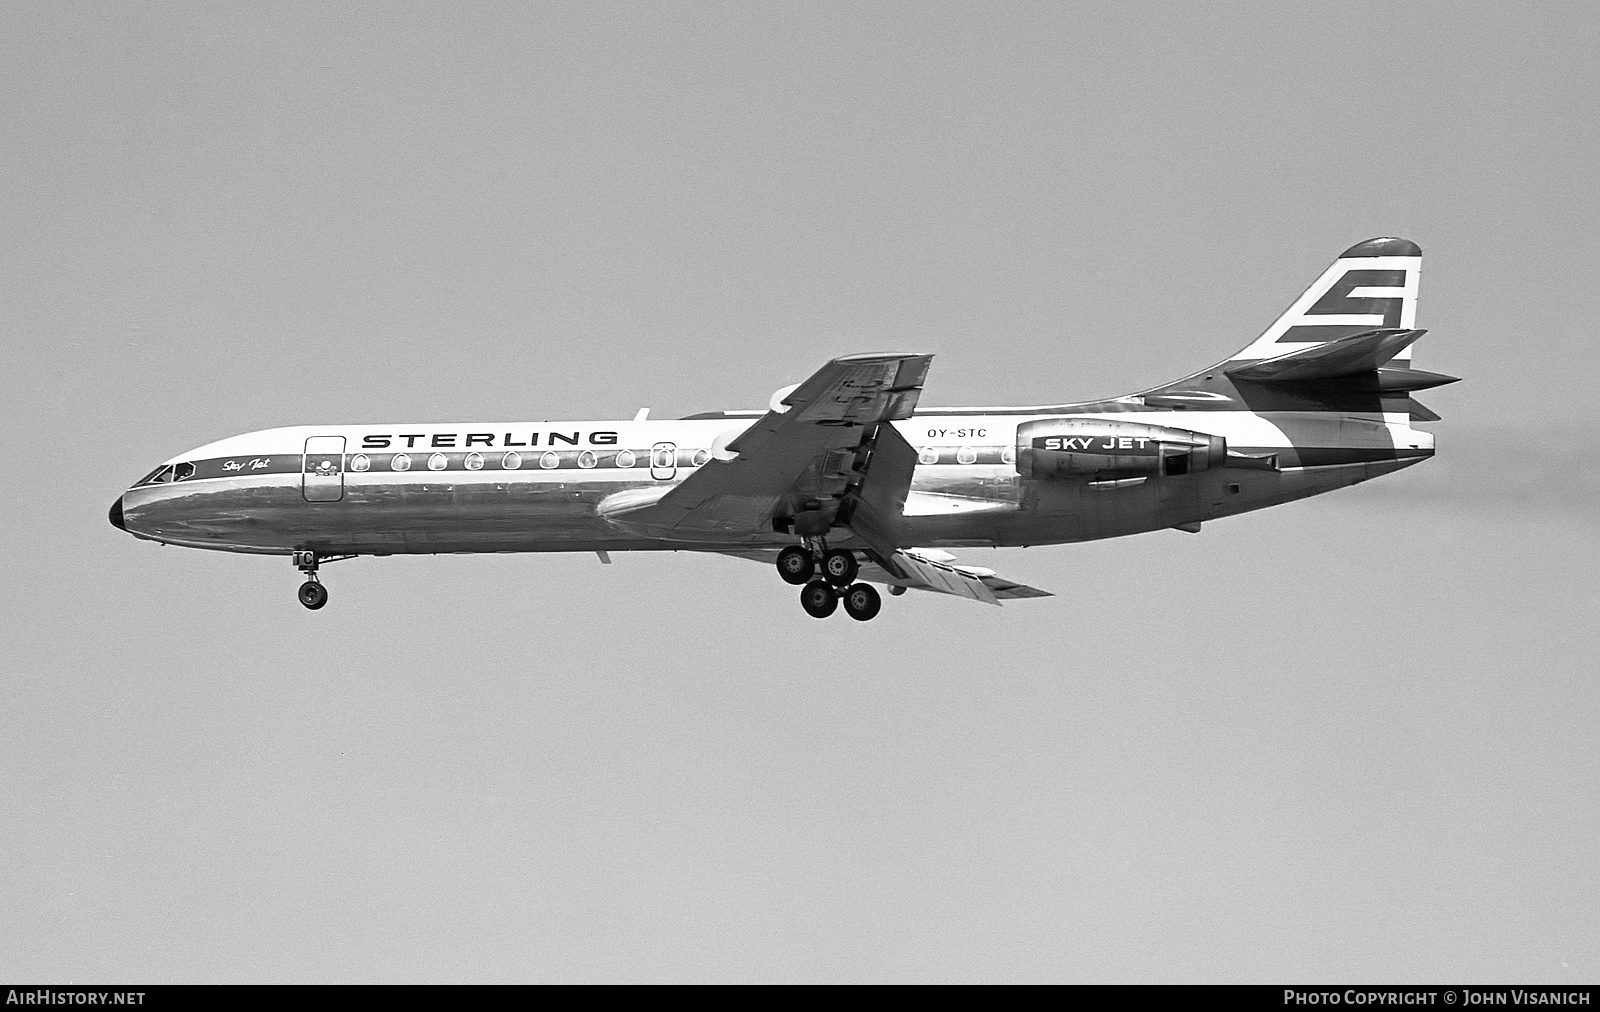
{"x": 663, "y": 461}
{"x": 322, "y": 469}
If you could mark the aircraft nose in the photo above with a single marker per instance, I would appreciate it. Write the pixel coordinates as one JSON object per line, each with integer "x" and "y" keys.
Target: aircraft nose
{"x": 116, "y": 515}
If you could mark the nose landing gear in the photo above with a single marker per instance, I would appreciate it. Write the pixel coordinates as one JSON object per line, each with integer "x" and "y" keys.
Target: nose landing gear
{"x": 312, "y": 593}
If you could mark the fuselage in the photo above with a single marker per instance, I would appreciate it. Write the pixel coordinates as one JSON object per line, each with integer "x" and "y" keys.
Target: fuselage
{"x": 540, "y": 486}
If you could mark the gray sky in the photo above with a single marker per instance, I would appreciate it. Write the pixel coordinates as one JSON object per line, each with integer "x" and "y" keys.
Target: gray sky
{"x": 1349, "y": 738}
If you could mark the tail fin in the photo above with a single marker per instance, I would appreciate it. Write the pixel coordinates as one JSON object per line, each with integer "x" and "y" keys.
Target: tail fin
{"x": 1372, "y": 286}
{"x": 1344, "y": 345}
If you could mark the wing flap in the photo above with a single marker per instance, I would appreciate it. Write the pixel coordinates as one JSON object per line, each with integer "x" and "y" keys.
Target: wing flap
{"x": 875, "y": 509}
{"x": 932, "y": 570}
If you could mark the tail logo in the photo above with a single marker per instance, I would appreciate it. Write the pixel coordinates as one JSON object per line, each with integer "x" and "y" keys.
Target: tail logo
{"x": 1360, "y": 298}
{"x": 1354, "y": 295}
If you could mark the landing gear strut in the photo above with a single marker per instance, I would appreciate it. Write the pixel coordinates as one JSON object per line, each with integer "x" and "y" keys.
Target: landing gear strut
{"x": 312, "y": 593}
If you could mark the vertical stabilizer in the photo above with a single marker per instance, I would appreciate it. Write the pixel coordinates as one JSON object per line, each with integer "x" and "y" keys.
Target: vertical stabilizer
{"x": 1372, "y": 286}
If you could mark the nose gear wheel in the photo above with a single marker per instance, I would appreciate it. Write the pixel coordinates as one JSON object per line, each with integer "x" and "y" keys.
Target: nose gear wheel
{"x": 313, "y": 594}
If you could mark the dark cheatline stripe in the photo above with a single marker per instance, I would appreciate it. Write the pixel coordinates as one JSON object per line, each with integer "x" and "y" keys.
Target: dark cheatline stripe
{"x": 455, "y": 460}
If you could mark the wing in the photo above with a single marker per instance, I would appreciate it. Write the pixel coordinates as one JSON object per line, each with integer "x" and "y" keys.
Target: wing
{"x": 929, "y": 569}
{"x": 828, "y": 457}
{"x": 932, "y": 570}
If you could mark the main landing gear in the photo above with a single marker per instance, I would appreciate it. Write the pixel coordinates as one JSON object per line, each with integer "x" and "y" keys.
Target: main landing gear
{"x": 839, "y": 568}
{"x": 797, "y": 565}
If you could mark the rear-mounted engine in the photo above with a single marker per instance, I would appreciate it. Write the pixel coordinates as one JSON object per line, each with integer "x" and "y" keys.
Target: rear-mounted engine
{"x": 1100, "y": 448}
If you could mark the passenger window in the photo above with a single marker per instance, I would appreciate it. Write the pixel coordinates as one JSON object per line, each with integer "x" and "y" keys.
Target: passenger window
{"x": 700, "y": 457}
{"x": 587, "y": 459}
{"x": 511, "y": 461}
{"x": 549, "y": 460}
{"x": 625, "y": 459}
{"x": 474, "y": 461}
{"x": 438, "y": 462}
{"x": 360, "y": 462}
{"x": 1008, "y": 454}
{"x": 401, "y": 462}
{"x": 966, "y": 455}
{"x": 929, "y": 455}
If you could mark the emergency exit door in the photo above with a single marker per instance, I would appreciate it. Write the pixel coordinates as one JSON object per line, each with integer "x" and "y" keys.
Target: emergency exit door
{"x": 322, "y": 469}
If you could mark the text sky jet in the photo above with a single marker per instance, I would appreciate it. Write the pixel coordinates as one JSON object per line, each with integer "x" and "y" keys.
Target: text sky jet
{"x": 844, "y": 482}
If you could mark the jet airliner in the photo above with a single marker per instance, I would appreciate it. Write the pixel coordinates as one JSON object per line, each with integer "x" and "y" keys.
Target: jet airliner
{"x": 843, "y": 482}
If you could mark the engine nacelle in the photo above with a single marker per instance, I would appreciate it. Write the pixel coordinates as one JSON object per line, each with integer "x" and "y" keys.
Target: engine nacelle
{"x": 1086, "y": 447}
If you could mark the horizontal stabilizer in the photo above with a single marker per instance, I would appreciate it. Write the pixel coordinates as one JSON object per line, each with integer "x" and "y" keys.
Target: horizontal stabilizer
{"x": 1348, "y": 356}
{"x": 1420, "y": 412}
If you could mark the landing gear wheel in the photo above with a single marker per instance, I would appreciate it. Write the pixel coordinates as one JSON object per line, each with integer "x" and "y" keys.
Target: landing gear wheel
{"x": 861, "y": 602}
{"x": 818, "y": 599}
{"x": 313, "y": 594}
{"x": 840, "y": 567}
{"x": 796, "y": 565}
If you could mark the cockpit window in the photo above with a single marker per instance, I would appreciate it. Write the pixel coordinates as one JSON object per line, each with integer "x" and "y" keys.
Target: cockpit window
{"x": 159, "y": 476}
{"x": 183, "y": 471}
